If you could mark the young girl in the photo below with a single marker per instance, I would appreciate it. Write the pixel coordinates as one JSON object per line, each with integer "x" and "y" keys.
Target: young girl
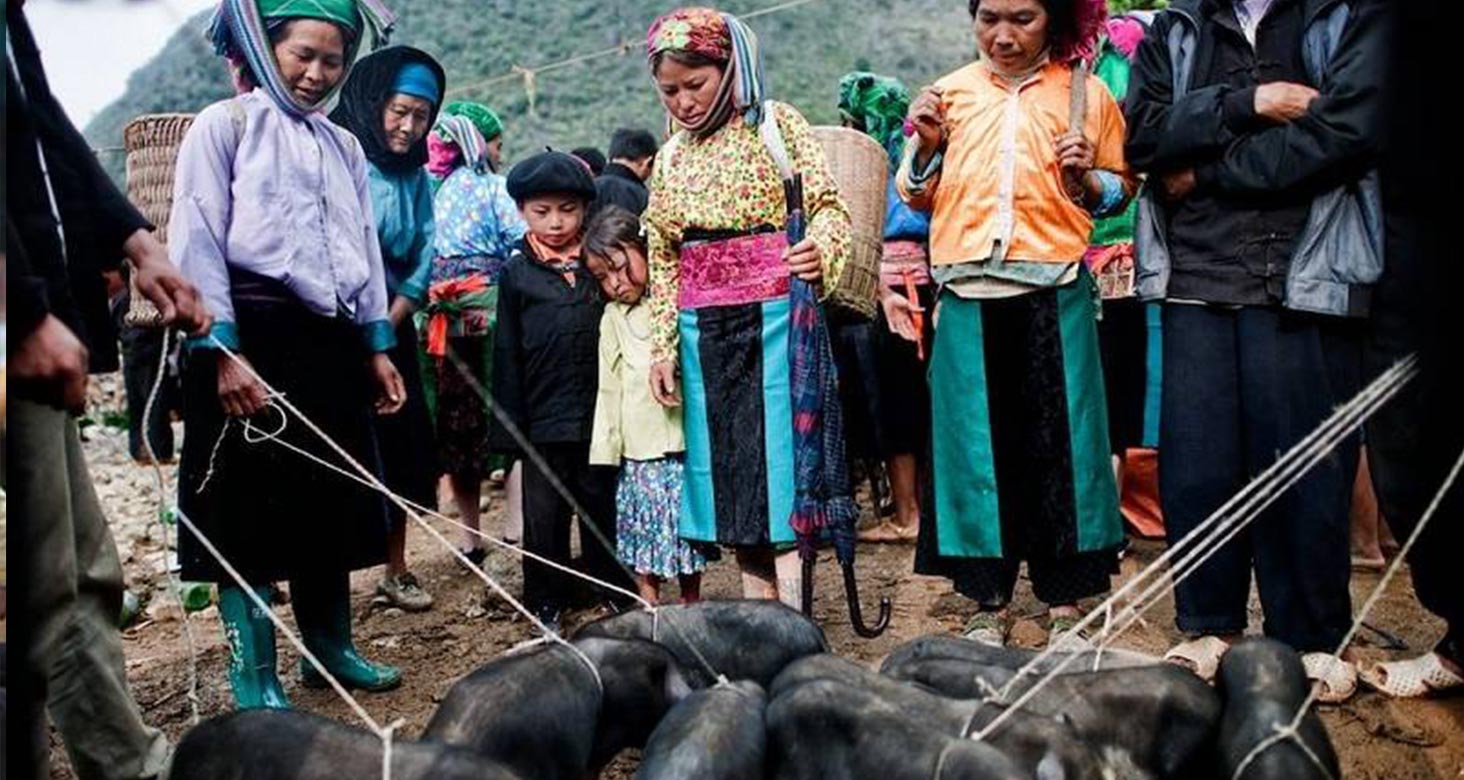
{"x": 544, "y": 363}
{"x": 632, "y": 430}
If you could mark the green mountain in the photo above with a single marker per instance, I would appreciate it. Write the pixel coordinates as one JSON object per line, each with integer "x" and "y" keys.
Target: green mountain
{"x": 807, "y": 47}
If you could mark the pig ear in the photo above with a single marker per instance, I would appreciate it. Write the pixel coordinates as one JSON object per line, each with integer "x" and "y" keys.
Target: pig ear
{"x": 1050, "y": 768}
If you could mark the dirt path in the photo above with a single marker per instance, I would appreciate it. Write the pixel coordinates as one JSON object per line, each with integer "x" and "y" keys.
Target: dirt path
{"x": 1376, "y": 739}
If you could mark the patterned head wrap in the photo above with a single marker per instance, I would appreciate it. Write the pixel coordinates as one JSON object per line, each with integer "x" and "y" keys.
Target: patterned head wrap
{"x": 465, "y": 128}
{"x": 876, "y": 104}
{"x": 239, "y": 31}
{"x": 724, "y": 39}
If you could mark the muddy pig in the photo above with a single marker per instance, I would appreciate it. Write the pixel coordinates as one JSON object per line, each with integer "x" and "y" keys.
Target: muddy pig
{"x": 291, "y": 745}
{"x": 741, "y": 639}
{"x": 713, "y": 734}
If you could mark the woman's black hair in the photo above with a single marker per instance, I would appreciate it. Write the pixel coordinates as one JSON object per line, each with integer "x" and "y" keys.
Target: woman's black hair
{"x": 689, "y": 59}
{"x": 1062, "y": 23}
{"x": 277, "y": 29}
{"x": 612, "y": 228}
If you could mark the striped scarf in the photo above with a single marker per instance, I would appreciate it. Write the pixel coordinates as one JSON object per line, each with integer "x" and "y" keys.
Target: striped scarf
{"x": 461, "y": 132}
{"x": 239, "y": 31}
{"x": 725, "y": 39}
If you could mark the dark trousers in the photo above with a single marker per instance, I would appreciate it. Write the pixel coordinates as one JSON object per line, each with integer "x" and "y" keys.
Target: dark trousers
{"x": 72, "y": 596}
{"x": 1241, "y": 387}
{"x": 1413, "y": 442}
{"x": 547, "y": 516}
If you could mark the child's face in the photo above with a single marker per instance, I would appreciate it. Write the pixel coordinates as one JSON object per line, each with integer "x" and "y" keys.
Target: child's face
{"x": 554, "y": 219}
{"x": 621, "y": 274}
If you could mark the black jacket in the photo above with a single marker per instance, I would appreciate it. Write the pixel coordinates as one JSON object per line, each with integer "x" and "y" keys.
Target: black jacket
{"x": 1233, "y": 237}
{"x": 546, "y": 352}
{"x": 619, "y": 185}
{"x": 97, "y": 219}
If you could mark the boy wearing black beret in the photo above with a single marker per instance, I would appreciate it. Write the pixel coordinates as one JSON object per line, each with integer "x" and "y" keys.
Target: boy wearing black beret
{"x": 545, "y": 369}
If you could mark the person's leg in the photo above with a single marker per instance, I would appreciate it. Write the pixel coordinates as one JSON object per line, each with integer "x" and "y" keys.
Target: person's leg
{"x": 253, "y": 670}
{"x": 1294, "y": 372}
{"x": 74, "y": 598}
{"x": 466, "y": 493}
{"x": 322, "y": 602}
{"x": 513, "y": 510}
{"x": 904, "y": 478}
{"x": 648, "y": 586}
{"x": 1202, "y": 463}
{"x": 690, "y": 587}
{"x": 756, "y": 567}
{"x": 1413, "y": 442}
{"x": 594, "y": 489}
{"x": 546, "y": 533}
{"x": 789, "y": 569}
{"x": 396, "y": 549}
{"x": 1364, "y": 519}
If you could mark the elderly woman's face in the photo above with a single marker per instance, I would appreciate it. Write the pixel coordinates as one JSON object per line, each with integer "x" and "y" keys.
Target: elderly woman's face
{"x": 1012, "y": 34}
{"x": 312, "y": 58}
{"x": 687, "y": 91}
{"x": 405, "y": 120}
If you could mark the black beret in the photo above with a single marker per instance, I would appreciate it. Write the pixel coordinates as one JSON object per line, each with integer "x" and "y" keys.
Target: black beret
{"x": 550, "y": 173}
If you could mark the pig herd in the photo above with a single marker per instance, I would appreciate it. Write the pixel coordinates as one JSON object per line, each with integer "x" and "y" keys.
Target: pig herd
{"x": 748, "y": 690}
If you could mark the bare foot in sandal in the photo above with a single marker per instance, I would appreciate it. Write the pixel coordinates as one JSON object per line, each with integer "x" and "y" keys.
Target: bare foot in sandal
{"x": 1426, "y": 675}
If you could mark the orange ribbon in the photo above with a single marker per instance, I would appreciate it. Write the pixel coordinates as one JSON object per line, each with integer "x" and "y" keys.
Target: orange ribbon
{"x": 444, "y": 303}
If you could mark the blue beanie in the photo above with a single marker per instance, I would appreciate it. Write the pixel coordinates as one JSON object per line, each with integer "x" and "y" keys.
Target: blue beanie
{"x": 417, "y": 80}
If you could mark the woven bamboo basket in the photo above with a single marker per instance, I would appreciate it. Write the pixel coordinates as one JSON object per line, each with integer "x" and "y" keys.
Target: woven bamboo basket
{"x": 860, "y": 168}
{"x": 152, "y": 142}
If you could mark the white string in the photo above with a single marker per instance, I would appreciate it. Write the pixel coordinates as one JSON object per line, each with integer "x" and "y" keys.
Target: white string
{"x": 428, "y": 511}
{"x": 539, "y": 461}
{"x": 1291, "y": 730}
{"x": 160, "y": 481}
{"x": 1206, "y": 548}
{"x": 1252, "y": 499}
{"x": 286, "y": 404}
{"x": 388, "y": 734}
{"x": 279, "y": 623}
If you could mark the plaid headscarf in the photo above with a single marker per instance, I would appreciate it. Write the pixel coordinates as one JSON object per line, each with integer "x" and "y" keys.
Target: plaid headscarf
{"x": 722, "y": 38}
{"x": 877, "y": 105}
{"x": 239, "y": 31}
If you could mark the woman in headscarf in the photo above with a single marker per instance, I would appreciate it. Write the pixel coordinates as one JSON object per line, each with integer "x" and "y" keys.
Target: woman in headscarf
{"x": 876, "y": 105}
{"x": 477, "y": 225}
{"x": 721, "y": 274}
{"x": 389, "y": 104}
{"x": 272, "y": 221}
{"x": 1015, "y": 167}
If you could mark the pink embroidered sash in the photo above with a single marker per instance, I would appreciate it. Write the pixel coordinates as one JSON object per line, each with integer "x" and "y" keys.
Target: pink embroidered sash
{"x": 746, "y": 269}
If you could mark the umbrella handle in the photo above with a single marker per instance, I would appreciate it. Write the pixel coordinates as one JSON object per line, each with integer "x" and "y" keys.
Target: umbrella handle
{"x": 856, "y": 618}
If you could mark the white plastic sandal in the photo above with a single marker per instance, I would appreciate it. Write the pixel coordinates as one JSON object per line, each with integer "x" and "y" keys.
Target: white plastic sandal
{"x": 1337, "y": 677}
{"x": 1412, "y": 678}
{"x": 1200, "y": 655}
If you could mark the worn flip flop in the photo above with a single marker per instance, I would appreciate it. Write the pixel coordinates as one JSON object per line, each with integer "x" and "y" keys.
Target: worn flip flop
{"x": 1425, "y": 675}
{"x": 1200, "y": 655}
{"x": 1337, "y": 677}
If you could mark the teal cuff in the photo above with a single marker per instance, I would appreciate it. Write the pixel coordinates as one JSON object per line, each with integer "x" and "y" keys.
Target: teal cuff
{"x": 223, "y": 331}
{"x": 378, "y": 335}
{"x": 414, "y": 292}
{"x": 918, "y": 178}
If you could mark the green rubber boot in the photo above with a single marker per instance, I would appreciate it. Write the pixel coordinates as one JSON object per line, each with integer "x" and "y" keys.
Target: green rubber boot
{"x": 251, "y": 652}
{"x": 323, "y": 612}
